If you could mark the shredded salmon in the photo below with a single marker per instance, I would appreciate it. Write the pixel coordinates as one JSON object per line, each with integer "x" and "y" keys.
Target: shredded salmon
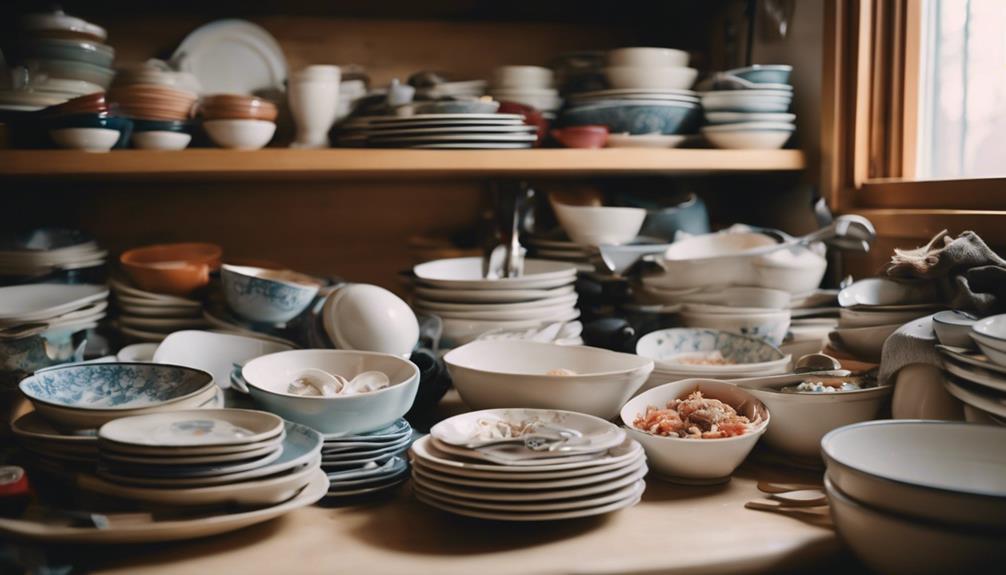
{"x": 694, "y": 417}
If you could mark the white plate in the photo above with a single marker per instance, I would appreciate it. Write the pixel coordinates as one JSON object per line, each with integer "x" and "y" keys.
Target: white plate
{"x": 971, "y": 358}
{"x": 168, "y": 530}
{"x": 517, "y": 489}
{"x": 460, "y": 331}
{"x": 234, "y": 57}
{"x": 537, "y": 314}
{"x": 169, "y": 452}
{"x": 568, "y": 298}
{"x": 203, "y": 427}
{"x": 514, "y": 129}
{"x": 490, "y": 295}
{"x": 33, "y": 426}
{"x": 736, "y": 117}
{"x": 887, "y": 295}
{"x": 390, "y": 434}
{"x": 432, "y": 117}
{"x": 121, "y": 288}
{"x": 978, "y": 375}
{"x": 394, "y": 466}
{"x": 534, "y": 476}
{"x": 992, "y": 402}
{"x": 424, "y": 450}
{"x": 633, "y": 491}
{"x": 128, "y": 300}
{"x": 208, "y": 459}
{"x": 337, "y": 492}
{"x": 595, "y": 433}
{"x": 466, "y": 273}
{"x": 455, "y": 138}
{"x": 503, "y": 516}
{"x": 31, "y": 302}
{"x": 472, "y": 146}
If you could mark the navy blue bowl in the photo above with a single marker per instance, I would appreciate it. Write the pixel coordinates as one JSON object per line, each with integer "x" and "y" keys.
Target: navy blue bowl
{"x": 636, "y": 117}
{"x": 161, "y": 126}
{"x": 123, "y": 125}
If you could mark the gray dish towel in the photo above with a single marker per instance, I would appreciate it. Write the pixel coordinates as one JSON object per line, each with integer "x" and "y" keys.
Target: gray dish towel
{"x": 913, "y": 342}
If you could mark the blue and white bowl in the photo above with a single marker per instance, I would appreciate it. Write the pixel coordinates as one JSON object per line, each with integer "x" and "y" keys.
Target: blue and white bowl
{"x": 744, "y": 354}
{"x": 87, "y": 395}
{"x": 267, "y": 296}
{"x": 636, "y": 116}
{"x": 764, "y": 73}
{"x": 750, "y": 101}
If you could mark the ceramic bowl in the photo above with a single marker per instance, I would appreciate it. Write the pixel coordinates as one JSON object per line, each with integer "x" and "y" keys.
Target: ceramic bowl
{"x": 87, "y": 139}
{"x": 175, "y": 269}
{"x": 689, "y": 216}
{"x": 696, "y": 461}
{"x": 768, "y": 325}
{"x": 711, "y": 259}
{"x": 865, "y": 343}
{"x": 268, "y": 378}
{"x": 240, "y": 134}
{"x": 94, "y": 53}
{"x": 216, "y": 353}
{"x": 849, "y": 317}
{"x": 763, "y": 74}
{"x": 238, "y": 107}
{"x": 800, "y": 420}
{"x": 667, "y": 347}
{"x": 581, "y": 136}
{"x": 644, "y": 77}
{"x": 990, "y": 335}
{"x": 796, "y": 271}
{"x": 266, "y": 295}
{"x": 161, "y": 140}
{"x": 953, "y": 328}
{"x": 636, "y": 116}
{"x": 370, "y": 318}
{"x": 887, "y": 293}
{"x": 647, "y": 57}
{"x": 748, "y": 101}
{"x": 928, "y": 470}
{"x": 505, "y": 373}
{"x": 599, "y": 225}
{"x": 742, "y": 138}
{"x": 86, "y": 395}
{"x": 72, "y": 70}
{"x": 522, "y": 77}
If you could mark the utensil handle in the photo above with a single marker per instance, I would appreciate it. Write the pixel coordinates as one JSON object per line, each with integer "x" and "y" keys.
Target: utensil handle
{"x": 238, "y": 381}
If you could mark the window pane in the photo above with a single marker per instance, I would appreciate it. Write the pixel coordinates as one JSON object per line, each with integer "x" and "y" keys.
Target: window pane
{"x": 962, "y": 131}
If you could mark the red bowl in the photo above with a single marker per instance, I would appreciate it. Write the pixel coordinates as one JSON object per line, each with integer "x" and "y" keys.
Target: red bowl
{"x": 581, "y": 136}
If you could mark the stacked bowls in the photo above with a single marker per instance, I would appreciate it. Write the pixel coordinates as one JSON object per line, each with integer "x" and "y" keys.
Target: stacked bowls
{"x": 366, "y": 463}
{"x": 649, "y": 69}
{"x": 69, "y": 51}
{"x": 48, "y": 252}
{"x": 532, "y": 86}
{"x": 33, "y": 309}
{"x": 470, "y": 305}
{"x": 978, "y": 380}
{"x": 747, "y": 108}
{"x": 151, "y": 317}
{"x": 160, "y": 101}
{"x": 685, "y": 353}
{"x": 460, "y": 469}
{"x": 918, "y": 496}
{"x": 239, "y": 122}
{"x": 85, "y": 123}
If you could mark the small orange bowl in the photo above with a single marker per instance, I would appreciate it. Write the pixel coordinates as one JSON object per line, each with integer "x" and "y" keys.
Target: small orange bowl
{"x": 175, "y": 269}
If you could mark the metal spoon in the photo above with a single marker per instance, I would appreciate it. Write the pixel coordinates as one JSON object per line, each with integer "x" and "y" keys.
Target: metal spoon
{"x": 814, "y": 362}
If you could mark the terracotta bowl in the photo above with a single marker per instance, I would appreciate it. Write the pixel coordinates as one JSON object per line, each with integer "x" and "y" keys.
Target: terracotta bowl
{"x": 237, "y": 107}
{"x": 89, "y": 104}
{"x": 581, "y": 136}
{"x": 175, "y": 269}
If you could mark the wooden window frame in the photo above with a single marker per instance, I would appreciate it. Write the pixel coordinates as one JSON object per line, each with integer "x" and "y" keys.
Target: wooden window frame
{"x": 869, "y": 125}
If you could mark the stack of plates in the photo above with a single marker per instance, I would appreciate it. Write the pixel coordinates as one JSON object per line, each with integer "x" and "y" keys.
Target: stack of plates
{"x": 366, "y": 463}
{"x": 979, "y": 379}
{"x": 48, "y": 250}
{"x": 28, "y": 310}
{"x": 597, "y": 471}
{"x": 149, "y": 316}
{"x": 470, "y": 306}
{"x": 207, "y": 456}
{"x": 616, "y": 259}
{"x": 456, "y": 90}
{"x": 37, "y": 436}
{"x": 446, "y": 131}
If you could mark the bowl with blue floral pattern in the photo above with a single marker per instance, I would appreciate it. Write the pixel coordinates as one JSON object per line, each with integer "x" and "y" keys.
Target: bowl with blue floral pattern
{"x": 699, "y": 349}
{"x": 266, "y": 295}
{"x": 636, "y": 116}
{"x": 87, "y": 395}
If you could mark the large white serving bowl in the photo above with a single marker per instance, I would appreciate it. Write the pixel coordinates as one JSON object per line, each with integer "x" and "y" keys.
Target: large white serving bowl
{"x": 710, "y": 259}
{"x": 240, "y": 134}
{"x": 268, "y": 378}
{"x": 649, "y": 77}
{"x": 800, "y": 420}
{"x": 696, "y": 461}
{"x": 466, "y": 274}
{"x": 894, "y": 545}
{"x": 768, "y": 325}
{"x": 932, "y": 470}
{"x": 216, "y": 353}
{"x": 512, "y": 373}
{"x": 666, "y": 346}
{"x": 599, "y": 225}
{"x": 647, "y": 57}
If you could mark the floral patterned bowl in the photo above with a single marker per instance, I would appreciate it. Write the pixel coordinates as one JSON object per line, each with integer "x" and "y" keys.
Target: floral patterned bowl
{"x": 740, "y": 353}
{"x": 87, "y": 395}
{"x": 266, "y": 295}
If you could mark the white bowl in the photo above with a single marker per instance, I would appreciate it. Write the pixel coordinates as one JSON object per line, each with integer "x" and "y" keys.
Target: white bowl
{"x": 953, "y": 328}
{"x": 216, "y": 353}
{"x": 458, "y": 332}
{"x": 370, "y": 318}
{"x": 865, "y": 343}
{"x": 800, "y": 420}
{"x": 648, "y": 57}
{"x": 893, "y": 545}
{"x": 710, "y": 259}
{"x": 161, "y": 140}
{"x": 796, "y": 270}
{"x": 266, "y": 295}
{"x": 875, "y": 292}
{"x": 268, "y": 378}
{"x": 929, "y": 470}
{"x": 769, "y": 325}
{"x": 522, "y": 77}
{"x": 87, "y": 139}
{"x": 240, "y": 134}
{"x": 466, "y": 274}
{"x": 512, "y": 373}
{"x": 748, "y": 353}
{"x": 599, "y": 225}
{"x": 868, "y": 318}
{"x": 750, "y": 101}
{"x": 669, "y": 77}
{"x": 695, "y": 460}
{"x": 747, "y": 139}
{"x": 990, "y": 335}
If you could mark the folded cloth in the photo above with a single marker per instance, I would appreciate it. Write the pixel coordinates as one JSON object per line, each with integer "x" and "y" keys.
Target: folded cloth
{"x": 968, "y": 273}
{"x": 913, "y": 342}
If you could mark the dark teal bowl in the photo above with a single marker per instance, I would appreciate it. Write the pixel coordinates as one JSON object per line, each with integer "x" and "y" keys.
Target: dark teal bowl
{"x": 636, "y": 117}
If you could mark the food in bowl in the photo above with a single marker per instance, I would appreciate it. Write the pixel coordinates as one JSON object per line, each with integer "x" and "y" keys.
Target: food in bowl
{"x": 714, "y": 357}
{"x": 823, "y": 386}
{"x": 317, "y": 382}
{"x": 560, "y": 371}
{"x": 695, "y": 417}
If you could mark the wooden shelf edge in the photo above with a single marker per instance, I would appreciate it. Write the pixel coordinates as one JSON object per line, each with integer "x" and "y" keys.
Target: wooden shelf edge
{"x": 320, "y": 164}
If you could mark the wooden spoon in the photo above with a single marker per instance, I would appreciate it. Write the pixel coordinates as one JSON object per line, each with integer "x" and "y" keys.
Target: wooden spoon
{"x": 773, "y": 487}
{"x": 801, "y": 497}
{"x": 780, "y": 507}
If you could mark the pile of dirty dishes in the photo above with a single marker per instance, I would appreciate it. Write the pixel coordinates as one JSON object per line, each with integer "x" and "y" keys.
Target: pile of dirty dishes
{"x": 148, "y": 316}
{"x": 747, "y": 108}
{"x": 527, "y": 465}
{"x": 470, "y": 305}
{"x": 368, "y": 462}
{"x": 976, "y": 377}
{"x": 46, "y": 251}
{"x": 33, "y": 309}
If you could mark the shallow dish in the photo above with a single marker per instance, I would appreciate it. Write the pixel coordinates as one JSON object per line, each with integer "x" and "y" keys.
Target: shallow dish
{"x": 503, "y": 373}
{"x": 468, "y": 428}
{"x": 265, "y": 295}
{"x": 744, "y": 353}
{"x": 988, "y": 400}
{"x": 749, "y": 139}
{"x": 269, "y": 376}
{"x": 930, "y": 470}
{"x": 199, "y": 428}
{"x": 696, "y": 461}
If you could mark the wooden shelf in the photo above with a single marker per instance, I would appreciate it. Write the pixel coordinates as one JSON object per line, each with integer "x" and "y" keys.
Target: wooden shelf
{"x": 211, "y": 164}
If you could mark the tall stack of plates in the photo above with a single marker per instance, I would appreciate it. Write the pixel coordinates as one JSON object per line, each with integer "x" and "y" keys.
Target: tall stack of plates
{"x": 148, "y": 316}
{"x": 206, "y": 456}
{"x": 595, "y": 470}
{"x": 28, "y": 310}
{"x": 470, "y": 305}
{"x": 44, "y": 442}
{"x": 978, "y": 378}
{"x": 367, "y": 463}
{"x": 47, "y": 251}
{"x": 446, "y": 131}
